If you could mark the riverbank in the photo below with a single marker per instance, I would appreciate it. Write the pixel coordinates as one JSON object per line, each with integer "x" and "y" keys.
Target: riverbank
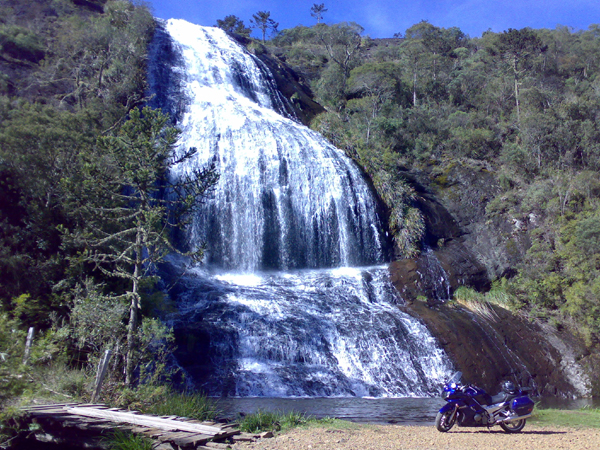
{"x": 396, "y": 437}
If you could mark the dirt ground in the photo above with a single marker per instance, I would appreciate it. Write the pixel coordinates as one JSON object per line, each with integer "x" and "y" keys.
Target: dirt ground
{"x": 388, "y": 437}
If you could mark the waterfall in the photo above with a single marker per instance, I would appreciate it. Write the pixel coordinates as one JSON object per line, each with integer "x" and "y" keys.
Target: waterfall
{"x": 293, "y": 298}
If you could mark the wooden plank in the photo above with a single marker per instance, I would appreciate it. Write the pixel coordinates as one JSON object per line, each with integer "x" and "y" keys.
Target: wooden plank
{"x": 164, "y": 437}
{"x": 163, "y": 447}
{"x": 245, "y": 437}
{"x": 227, "y": 433}
{"x": 51, "y": 405}
{"x": 153, "y": 432}
{"x": 174, "y": 435}
{"x": 57, "y": 416}
{"x": 217, "y": 445}
{"x": 193, "y": 439}
{"x": 154, "y": 422}
{"x": 47, "y": 411}
{"x": 93, "y": 405}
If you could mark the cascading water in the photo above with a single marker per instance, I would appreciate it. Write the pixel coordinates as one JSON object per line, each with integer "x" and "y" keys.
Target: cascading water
{"x": 293, "y": 299}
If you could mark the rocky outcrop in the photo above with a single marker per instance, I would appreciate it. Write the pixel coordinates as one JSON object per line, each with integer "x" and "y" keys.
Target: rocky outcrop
{"x": 490, "y": 344}
{"x": 486, "y": 342}
{"x": 293, "y": 87}
{"x": 290, "y": 83}
{"x": 472, "y": 247}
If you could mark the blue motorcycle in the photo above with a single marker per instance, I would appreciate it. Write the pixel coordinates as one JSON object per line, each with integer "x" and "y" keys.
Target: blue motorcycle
{"x": 469, "y": 406}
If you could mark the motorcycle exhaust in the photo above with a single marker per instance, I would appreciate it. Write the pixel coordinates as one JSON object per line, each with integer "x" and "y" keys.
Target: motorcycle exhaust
{"x": 511, "y": 419}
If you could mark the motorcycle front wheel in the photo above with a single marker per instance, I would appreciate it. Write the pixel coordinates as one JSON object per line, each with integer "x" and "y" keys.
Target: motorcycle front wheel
{"x": 513, "y": 427}
{"x": 443, "y": 422}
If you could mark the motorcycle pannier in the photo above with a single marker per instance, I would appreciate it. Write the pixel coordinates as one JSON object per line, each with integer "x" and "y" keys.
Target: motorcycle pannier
{"x": 522, "y": 405}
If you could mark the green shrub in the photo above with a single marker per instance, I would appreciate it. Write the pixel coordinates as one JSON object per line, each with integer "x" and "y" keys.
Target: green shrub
{"x": 12, "y": 372}
{"x": 11, "y": 424}
{"x": 20, "y": 43}
{"x": 467, "y": 294}
{"x": 257, "y": 48}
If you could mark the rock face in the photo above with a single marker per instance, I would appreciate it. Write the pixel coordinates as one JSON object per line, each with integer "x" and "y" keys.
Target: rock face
{"x": 292, "y": 85}
{"x": 471, "y": 246}
{"x": 456, "y": 234}
{"x": 489, "y": 344}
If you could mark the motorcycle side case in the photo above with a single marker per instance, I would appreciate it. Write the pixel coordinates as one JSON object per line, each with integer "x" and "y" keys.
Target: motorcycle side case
{"x": 522, "y": 405}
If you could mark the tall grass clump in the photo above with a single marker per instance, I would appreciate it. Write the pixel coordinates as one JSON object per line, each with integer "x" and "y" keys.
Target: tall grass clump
{"x": 480, "y": 302}
{"x": 183, "y": 404}
{"x": 260, "y": 421}
{"x": 121, "y": 440}
{"x": 274, "y": 421}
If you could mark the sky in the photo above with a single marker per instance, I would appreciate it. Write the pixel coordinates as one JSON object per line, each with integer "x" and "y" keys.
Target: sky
{"x": 383, "y": 18}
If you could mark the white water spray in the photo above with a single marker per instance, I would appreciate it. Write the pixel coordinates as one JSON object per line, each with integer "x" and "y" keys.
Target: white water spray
{"x": 294, "y": 299}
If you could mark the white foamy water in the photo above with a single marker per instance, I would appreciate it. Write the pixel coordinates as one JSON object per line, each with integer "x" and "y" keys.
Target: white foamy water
{"x": 294, "y": 299}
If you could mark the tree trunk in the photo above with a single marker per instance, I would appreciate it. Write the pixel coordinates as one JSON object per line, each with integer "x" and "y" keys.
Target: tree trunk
{"x": 134, "y": 309}
{"x": 515, "y": 62}
{"x": 415, "y": 88}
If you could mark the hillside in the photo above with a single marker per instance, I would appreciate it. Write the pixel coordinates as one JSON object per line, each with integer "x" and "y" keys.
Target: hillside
{"x": 484, "y": 153}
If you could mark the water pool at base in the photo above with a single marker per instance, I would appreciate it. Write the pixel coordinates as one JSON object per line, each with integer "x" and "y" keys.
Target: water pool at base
{"x": 405, "y": 411}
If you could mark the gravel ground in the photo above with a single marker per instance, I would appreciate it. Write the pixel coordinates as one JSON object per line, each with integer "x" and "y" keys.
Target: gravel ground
{"x": 384, "y": 437}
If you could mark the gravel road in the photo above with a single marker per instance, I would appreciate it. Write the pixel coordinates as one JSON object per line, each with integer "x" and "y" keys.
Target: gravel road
{"x": 388, "y": 437}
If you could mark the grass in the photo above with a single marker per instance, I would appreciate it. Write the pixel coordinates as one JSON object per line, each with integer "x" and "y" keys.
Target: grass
{"x": 121, "y": 440}
{"x": 182, "y": 404}
{"x": 578, "y": 418}
{"x": 275, "y": 421}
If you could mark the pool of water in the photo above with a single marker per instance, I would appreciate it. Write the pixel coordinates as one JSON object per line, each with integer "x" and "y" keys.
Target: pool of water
{"x": 373, "y": 410}
{"x": 408, "y": 411}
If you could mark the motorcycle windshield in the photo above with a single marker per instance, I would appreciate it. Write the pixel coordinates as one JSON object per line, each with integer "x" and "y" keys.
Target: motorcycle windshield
{"x": 455, "y": 378}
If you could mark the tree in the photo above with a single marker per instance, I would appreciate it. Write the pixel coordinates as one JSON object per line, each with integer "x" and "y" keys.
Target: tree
{"x": 262, "y": 20}
{"x": 342, "y": 43}
{"x": 317, "y": 11}
{"x": 129, "y": 205}
{"x": 414, "y": 53}
{"x": 233, "y": 24}
{"x": 518, "y": 46}
{"x": 377, "y": 84}
{"x": 441, "y": 42}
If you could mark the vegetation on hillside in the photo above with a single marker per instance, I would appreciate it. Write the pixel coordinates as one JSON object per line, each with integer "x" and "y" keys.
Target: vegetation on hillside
{"x": 524, "y": 102}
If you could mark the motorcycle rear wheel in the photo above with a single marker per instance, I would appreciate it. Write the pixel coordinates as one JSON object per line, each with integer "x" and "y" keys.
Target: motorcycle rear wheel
{"x": 513, "y": 427}
{"x": 442, "y": 421}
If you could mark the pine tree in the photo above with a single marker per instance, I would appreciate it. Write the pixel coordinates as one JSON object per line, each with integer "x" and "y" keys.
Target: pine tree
{"x": 262, "y": 20}
{"x": 317, "y": 11}
{"x": 130, "y": 206}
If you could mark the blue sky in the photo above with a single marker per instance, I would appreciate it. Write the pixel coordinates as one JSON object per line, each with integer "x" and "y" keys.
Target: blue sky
{"x": 383, "y": 18}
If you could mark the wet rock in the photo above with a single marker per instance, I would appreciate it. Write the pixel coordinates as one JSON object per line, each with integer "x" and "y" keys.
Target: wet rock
{"x": 490, "y": 344}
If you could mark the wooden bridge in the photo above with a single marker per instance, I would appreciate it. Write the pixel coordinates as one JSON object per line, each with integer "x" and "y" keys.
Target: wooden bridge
{"x": 74, "y": 425}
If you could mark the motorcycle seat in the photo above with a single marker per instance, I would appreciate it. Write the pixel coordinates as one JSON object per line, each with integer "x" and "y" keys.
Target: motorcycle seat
{"x": 499, "y": 398}
{"x": 502, "y": 397}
